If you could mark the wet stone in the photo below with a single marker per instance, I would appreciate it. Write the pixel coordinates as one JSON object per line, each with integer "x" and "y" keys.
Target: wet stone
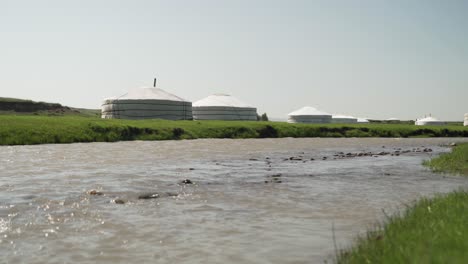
{"x": 95, "y": 192}
{"x": 186, "y": 181}
{"x": 147, "y": 196}
{"x": 274, "y": 180}
{"x": 118, "y": 201}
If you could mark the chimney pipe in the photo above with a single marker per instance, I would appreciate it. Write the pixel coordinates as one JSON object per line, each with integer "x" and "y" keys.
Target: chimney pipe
{"x": 154, "y": 84}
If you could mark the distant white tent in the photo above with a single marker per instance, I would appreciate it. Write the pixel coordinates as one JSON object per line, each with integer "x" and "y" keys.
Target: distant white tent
{"x": 309, "y": 114}
{"x": 362, "y": 120}
{"x": 343, "y": 119}
{"x": 147, "y": 103}
{"x": 393, "y": 119}
{"x": 466, "y": 120}
{"x": 429, "y": 121}
{"x": 223, "y": 107}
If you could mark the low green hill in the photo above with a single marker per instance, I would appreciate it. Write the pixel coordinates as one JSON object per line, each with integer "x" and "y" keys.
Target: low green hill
{"x": 23, "y": 106}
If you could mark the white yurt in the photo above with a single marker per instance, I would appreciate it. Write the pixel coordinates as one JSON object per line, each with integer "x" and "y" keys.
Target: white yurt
{"x": 466, "y": 120}
{"x": 223, "y": 107}
{"x": 429, "y": 121}
{"x": 362, "y": 120}
{"x": 343, "y": 119}
{"x": 309, "y": 114}
{"x": 393, "y": 119}
{"x": 147, "y": 103}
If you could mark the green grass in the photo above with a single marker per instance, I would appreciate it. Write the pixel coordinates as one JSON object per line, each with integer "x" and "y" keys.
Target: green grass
{"x": 38, "y": 129}
{"x": 431, "y": 231}
{"x": 455, "y": 162}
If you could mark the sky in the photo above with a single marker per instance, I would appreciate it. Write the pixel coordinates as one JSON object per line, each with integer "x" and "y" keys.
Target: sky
{"x": 366, "y": 58}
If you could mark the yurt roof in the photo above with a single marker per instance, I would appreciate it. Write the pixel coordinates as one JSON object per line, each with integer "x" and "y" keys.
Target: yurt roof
{"x": 220, "y": 100}
{"x": 362, "y": 120}
{"x": 344, "y": 117}
{"x": 149, "y": 94}
{"x": 428, "y": 119}
{"x": 308, "y": 111}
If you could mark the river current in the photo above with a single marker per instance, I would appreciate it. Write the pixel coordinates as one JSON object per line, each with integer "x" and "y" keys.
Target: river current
{"x": 250, "y": 201}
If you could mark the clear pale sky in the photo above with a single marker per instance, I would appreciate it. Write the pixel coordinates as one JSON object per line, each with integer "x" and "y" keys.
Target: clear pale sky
{"x": 369, "y": 58}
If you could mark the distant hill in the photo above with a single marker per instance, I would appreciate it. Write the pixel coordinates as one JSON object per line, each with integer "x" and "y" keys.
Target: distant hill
{"x": 14, "y": 105}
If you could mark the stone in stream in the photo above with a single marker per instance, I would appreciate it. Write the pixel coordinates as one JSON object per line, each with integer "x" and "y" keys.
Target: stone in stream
{"x": 153, "y": 195}
{"x": 95, "y": 192}
{"x": 186, "y": 181}
{"x": 118, "y": 201}
{"x": 295, "y": 158}
{"x": 275, "y": 178}
{"x": 275, "y": 175}
{"x": 147, "y": 196}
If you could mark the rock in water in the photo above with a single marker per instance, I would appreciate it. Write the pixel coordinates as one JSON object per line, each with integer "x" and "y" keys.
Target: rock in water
{"x": 148, "y": 196}
{"x": 95, "y": 192}
{"x": 119, "y": 201}
{"x": 186, "y": 181}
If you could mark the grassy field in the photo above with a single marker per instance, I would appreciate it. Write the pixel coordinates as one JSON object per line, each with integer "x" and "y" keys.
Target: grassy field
{"x": 41, "y": 129}
{"x": 431, "y": 231}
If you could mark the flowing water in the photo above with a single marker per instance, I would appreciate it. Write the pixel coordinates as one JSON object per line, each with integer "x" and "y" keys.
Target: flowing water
{"x": 249, "y": 202}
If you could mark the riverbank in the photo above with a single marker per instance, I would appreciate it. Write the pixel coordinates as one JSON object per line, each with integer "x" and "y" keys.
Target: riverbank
{"x": 431, "y": 231}
{"x": 455, "y": 162}
{"x": 37, "y": 129}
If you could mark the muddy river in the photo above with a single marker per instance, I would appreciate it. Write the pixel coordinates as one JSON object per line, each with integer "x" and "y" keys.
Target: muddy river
{"x": 206, "y": 201}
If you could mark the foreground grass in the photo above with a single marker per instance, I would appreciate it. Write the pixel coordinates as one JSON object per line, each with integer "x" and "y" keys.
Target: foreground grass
{"x": 454, "y": 162}
{"x": 31, "y": 129}
{"x": 431, "y": 231}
